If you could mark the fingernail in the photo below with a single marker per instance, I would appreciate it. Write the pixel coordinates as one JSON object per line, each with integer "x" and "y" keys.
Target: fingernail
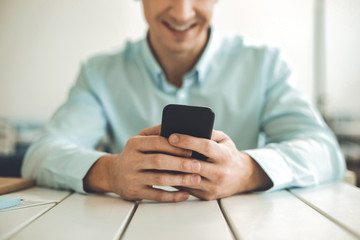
{"x": 188, "y": 153}
{"x": 195, "y": 179}
{"x": 196, "y": 166}
{"x": 174, "y": 138}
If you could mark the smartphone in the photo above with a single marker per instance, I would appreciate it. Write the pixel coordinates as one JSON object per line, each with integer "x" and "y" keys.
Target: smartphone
{"x": 196, "y": 121}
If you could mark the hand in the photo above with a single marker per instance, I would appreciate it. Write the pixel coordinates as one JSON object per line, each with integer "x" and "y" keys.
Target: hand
{"x": 145, "y": 161}
{"x": 227, "y": 171}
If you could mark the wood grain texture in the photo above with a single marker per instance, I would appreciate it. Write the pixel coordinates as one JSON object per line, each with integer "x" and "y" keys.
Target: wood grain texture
{"x": 81, "y": 217}
{"x": 191, "y": 219}
{"x": 339, "y": 202}
{"x": 278, "y": 215}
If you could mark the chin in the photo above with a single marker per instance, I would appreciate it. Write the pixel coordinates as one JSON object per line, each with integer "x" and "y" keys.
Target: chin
{"x": 179, "y": 50}
{"x": 181, "y": 47}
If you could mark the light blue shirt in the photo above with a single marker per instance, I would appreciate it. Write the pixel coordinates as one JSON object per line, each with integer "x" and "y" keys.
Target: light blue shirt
{"x": 119, "y": 94}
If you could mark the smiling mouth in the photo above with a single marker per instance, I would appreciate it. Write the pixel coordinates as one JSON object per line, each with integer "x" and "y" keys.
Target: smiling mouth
{"x": 180, "y": 28}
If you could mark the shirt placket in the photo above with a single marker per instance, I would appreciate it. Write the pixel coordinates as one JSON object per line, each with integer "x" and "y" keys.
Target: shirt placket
{"x": 182, "y": 94}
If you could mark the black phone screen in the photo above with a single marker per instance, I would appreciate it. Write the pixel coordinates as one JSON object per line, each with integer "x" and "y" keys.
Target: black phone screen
{"x": 195, "y": 121}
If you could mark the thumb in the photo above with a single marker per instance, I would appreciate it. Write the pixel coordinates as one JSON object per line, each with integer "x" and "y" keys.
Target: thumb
{"x": 151, "y": 131}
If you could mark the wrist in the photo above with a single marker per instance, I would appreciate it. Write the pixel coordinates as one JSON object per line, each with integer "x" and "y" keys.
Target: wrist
{"x": 96, "y": 180}
{"x": 257, "y": 177}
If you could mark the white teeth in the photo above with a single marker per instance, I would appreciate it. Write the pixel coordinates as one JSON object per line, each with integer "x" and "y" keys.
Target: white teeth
{"x": 180, "y": 28}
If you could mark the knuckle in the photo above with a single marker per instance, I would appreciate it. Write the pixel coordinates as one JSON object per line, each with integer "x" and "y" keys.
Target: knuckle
{"x": 222, "y": 133}
{"x": 132, "y": 142}
{"x": 209, "y": 196}
{"x": 185, "y": 165}
{"x": 226, "y": 154}
{"x": 162, "y": 197}
{"x": 186, "y": 180}
{"x": 186, "y": 139}
{"x": 207, "y": 147}
{"x": 177, "y": 198}
{"x": 157, "y": 161}
{"x": 142, "y": 132}
{"x": 160, "y": 180}
{"x": 222, "y": 176}
{"x": 157, "y": 143}
{"x": 219, "y": 176}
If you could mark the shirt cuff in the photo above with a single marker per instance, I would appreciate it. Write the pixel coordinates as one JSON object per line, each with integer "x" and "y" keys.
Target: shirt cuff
{"x": 274, "y": 166}
{"x": 78, "y": 169}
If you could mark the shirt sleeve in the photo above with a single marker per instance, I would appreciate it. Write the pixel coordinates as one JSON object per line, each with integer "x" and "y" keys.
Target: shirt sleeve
{"x": 64, "y": 154}
{"x": 299, "y": 149}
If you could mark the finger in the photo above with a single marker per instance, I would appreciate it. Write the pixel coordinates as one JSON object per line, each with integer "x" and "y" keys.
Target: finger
{"x": 211, "y": 171}
{"x": 207, "y": 147}
{"x": 148, "y": 144}
{"x": 204, "y": 195}
{"x": 168, "y": 162}
{"x": 218, "y": 136}
{"x": 171, "y": 179}
{"x": 211, "y": 174}
{"x": 205, "y": 185}
{"x": 156, "y": 130}
{"x": 160, "y": 195}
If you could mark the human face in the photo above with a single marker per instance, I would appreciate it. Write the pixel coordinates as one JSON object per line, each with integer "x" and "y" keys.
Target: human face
{"x": 178, "y": 26}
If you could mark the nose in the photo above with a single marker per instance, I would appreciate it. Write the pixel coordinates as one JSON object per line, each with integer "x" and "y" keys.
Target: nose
{"x": 182, "y": 11}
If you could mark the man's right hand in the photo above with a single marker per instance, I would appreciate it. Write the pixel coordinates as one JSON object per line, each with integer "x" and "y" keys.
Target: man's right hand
{"x": 146, "y": 161}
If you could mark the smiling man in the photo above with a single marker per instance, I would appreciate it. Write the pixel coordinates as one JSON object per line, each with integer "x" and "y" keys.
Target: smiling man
{"x": 268, "y": 137}
{"x": 178, "y": 34}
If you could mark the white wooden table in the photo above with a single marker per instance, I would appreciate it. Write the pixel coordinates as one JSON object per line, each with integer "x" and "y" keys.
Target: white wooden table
{"x": 330, "y": 211}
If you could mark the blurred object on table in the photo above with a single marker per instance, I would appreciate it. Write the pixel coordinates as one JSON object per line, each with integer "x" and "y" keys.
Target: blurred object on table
{"x": 7, "y": 137}
{"x": 347, "y": 131}
{"x": 15, "y": 138}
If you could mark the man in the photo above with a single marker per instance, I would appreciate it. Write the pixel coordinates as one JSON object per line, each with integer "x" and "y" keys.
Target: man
{"x": 274, "y": 137}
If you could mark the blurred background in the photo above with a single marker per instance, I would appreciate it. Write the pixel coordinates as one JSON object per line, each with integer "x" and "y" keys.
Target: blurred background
{"x": 43, "y": 42}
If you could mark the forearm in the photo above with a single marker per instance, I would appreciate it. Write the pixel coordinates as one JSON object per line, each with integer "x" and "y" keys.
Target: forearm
{"x": 301, "y": 162}
{"x": 55, "y": 162}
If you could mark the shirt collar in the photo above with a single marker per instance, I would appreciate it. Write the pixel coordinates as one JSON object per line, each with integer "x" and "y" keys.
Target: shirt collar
{"x": 151, "y": 64}
{"x": 205, "y": 63}
{"x": 201, "y": 70}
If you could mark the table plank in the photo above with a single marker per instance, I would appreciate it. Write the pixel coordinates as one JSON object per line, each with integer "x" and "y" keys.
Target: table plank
{"x": 81, "y": 217}
{"x": 191, "y": 219}
{"x": 277, "y": 215}
{"x": 13, "y": 221}
{"x": 36, "y": 201}
{"x": 340, "y": 202}
{"x": 37, "y": 196}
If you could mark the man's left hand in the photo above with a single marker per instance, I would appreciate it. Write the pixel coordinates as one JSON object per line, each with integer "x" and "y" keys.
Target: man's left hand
{"x": 227, "y": 171}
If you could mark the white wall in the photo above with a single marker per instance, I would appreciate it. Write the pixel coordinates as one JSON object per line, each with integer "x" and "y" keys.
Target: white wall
{"x": 343, "y": 58}
{"x": 283, "y": 23}
{"x": 42, "y": 42}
